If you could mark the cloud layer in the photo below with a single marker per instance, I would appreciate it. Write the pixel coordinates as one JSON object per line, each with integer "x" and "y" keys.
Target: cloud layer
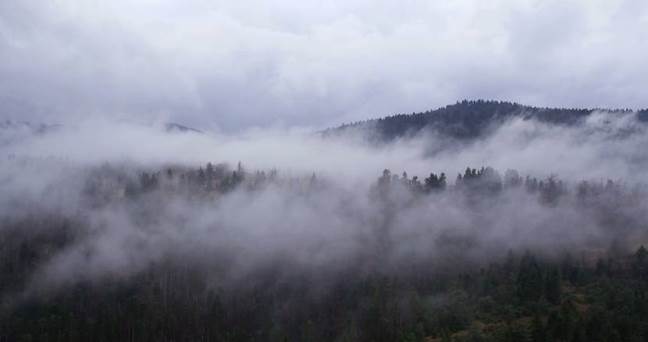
{"x": 230, "y": 65}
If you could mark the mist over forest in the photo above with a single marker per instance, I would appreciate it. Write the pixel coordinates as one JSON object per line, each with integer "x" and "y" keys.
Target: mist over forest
{"x": 315, "y": 171}
{"x": 494, "y": 222}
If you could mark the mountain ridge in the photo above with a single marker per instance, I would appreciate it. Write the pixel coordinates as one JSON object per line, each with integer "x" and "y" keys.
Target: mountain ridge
{"x": 466, "y": 119}
{"x": 43, "y": 128}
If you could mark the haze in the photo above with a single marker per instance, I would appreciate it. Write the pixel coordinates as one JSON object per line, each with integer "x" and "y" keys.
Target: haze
{"x": 229, "y": 66}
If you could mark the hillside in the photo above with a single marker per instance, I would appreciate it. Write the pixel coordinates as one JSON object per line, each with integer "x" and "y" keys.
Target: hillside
{"x": 464, "y": 120}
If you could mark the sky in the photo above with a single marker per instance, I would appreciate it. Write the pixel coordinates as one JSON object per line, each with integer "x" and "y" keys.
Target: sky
{"x": 235, "y": 65}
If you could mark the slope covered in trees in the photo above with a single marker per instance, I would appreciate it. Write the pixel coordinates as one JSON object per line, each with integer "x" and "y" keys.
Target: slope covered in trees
{"x": 464, "y": 120}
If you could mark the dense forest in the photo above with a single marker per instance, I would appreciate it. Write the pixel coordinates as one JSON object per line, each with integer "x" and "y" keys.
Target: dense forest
{"x": 480, "y": 256}
{"x": 466, "y": 120}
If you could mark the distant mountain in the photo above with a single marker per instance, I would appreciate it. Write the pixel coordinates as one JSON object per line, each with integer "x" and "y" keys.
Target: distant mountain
{"x": 16, "y": 131}
{"x": 464, "y": 120}
{"x": 174, "y": 127}
{"x": 35, "y": 128}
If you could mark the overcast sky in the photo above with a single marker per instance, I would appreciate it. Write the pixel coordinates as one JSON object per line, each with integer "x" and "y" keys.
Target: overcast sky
{"x": 232, "y": 65}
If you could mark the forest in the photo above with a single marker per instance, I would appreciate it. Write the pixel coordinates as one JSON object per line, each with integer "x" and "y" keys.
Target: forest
{"x": 220, "y": 253}
{"x": 468, "y": 120}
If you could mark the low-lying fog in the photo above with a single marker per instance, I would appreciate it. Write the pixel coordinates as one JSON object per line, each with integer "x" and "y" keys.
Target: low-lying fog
{"x": 339, "y": 221}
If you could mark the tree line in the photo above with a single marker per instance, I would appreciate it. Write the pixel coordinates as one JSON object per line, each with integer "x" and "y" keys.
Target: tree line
{"x": 522, "y": 295}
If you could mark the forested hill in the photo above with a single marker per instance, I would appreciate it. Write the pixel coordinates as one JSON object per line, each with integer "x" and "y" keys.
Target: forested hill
{"x": 464, "y": 120}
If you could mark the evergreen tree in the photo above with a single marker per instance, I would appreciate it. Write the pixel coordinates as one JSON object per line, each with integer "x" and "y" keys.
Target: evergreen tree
{"x": 529, "y": 279}
{"x": 553, "y": 290}
{"x": 538, "y": 330}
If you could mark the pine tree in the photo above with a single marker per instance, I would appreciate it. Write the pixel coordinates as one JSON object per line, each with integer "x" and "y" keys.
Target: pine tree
{"x": 538, "y": 330}
{"x": 553, "y": 291}
{"x": 529, "y": 280}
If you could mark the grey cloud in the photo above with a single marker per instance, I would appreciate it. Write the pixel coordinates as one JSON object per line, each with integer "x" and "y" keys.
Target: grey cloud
{"x": 599, "y": 148}
{"x": 226, "y": 65}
